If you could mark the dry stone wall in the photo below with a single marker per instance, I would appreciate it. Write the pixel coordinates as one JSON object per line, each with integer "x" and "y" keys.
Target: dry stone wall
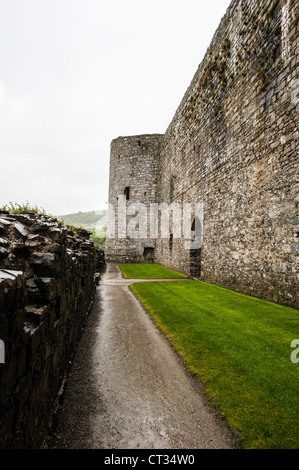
{"x": 47, "y": 283}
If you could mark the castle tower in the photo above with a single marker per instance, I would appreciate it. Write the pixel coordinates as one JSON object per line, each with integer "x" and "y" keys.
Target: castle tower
{"x": 231, "y": 149}
{"x": 132, "y": 188}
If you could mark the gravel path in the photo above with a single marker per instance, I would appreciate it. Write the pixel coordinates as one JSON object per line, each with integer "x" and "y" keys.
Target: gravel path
{"x": 127, "y": 389}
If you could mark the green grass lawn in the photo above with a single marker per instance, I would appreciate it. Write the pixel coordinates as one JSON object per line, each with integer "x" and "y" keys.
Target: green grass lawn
{"x": 149, "y": 271}
{"x": 240, "y": 347}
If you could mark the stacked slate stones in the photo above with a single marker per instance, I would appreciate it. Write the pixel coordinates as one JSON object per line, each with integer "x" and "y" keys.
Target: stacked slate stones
{"x": 48, "y": 276}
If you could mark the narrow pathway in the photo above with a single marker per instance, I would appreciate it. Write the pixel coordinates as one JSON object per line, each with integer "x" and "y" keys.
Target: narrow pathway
{"x": 127, "y": 388}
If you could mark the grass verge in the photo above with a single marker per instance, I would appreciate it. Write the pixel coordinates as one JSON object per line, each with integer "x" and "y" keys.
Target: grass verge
{"x": 240, "y": 348}
{"x": 149, "y": 271}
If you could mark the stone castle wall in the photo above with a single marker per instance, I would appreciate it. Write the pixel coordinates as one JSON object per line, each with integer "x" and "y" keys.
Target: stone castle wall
{"x": 233, "y": 146}
{"x": 47, "y": 283}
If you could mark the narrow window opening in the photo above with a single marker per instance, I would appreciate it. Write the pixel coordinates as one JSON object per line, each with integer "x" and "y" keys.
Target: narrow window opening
{"x": 171, "y": 187}
{"x": 171, "y": 242}
{"x": 139, "y": 143}
{"x": 127, "y": 193}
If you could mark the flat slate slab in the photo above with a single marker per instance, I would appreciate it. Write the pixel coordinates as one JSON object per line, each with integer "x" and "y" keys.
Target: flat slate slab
{"x": 9, "y": 274}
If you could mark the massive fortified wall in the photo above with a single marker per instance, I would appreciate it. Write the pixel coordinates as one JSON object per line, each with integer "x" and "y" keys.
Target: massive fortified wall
{"x": 233, "y": 146}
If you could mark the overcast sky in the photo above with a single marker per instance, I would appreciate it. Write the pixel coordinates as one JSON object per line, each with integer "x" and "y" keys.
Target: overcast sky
{"x": 75, "y": 74}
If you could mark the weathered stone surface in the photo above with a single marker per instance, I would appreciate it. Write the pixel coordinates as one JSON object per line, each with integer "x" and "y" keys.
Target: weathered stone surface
{"x": 39, "y": 227}
{"x": 45, "y": 264}
{"x": 20, "y": 249}
{"x": 233, "y": 146}
{"x": 47, "y": 284}
{"x": 83, "y": 233}
{"x": 35, "y": 314}
{"x": 3, "y": 251}
{"x": 133, "y": 165}
{"x": 47, "y": 288}
{"x": 58, "y": 235}
{"x": 34, "y": 240}
{"x": 5, "y": 221}
{"x": 21, "y": 229}
{"x": 10, "y": 274}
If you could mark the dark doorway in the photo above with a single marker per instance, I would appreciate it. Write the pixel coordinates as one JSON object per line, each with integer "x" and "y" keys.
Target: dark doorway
{"x": 195, "y": 262}
{"x": 149, "y": 254}
{"x": 195, "y": 253}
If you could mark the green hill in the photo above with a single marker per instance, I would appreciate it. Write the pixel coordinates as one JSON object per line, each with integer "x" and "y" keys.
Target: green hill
{"x": 93, "y": 221}
{"x": 83, "y": 219}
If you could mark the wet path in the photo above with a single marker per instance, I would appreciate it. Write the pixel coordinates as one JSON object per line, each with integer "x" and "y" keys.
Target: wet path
{"x": 127, "y": 389}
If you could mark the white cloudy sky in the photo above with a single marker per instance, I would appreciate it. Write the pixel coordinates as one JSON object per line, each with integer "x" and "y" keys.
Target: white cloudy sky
{"x": 74, "y": 74}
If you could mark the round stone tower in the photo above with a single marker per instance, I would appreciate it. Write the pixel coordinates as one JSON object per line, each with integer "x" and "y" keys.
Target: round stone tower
{"x": 132, "y": 189}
